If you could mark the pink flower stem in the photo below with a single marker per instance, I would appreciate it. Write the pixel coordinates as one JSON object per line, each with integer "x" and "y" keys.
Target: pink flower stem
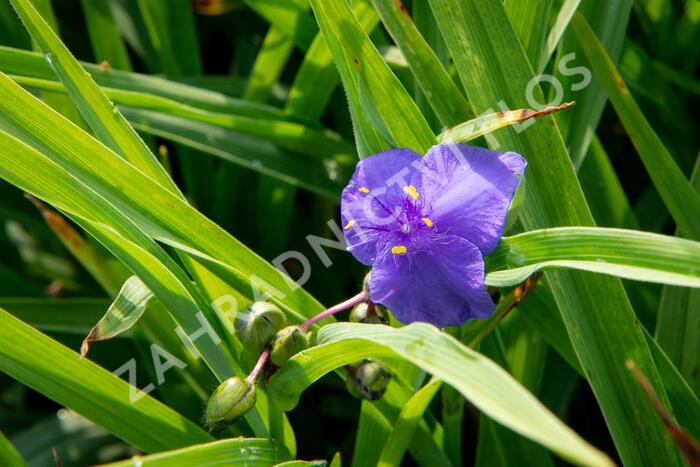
{"x": 262, "y": 360}
{"x": 349, "y": 303}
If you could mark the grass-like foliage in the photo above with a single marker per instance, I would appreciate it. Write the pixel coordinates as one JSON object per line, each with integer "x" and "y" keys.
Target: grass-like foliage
{"x": 166, "y": 164}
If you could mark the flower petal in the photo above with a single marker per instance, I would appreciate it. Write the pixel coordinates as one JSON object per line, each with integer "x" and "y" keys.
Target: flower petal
{"x": 365, "y": 208}
{"x": 470, "y": 190}
{"x": 443, "y": 285}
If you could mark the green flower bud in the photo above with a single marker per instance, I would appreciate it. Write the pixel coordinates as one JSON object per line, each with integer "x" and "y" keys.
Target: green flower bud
{"x": 369, "y": 313}
{"x": 231, "y": 400}
{"x": 258, "y": 324}
{"x": 369, "y": 380}
{"x": 289, "y": 342}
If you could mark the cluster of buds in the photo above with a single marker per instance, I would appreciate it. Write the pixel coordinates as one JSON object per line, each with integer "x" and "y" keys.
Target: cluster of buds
{"x": 263, "y": 330}
{"x": 263, "y": 325}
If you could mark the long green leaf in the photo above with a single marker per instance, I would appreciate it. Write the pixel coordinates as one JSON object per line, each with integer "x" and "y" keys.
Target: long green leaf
{"x": 128, "y": 243}
{"x": 405, "y": 425}
{"x": 493, "y": 67}
{"x": 540, "y": 313}
{"x": 105, "y": 39}
{"x": 567, "y": 10}
{"x": 157, "y": 211}
{"x": 682, "y": 201}
{"x": 629, "y": 254}
{"x": 367, "y": 78}
{"x": 269, "y": 64}
{"x": 91, "y": 391}
{"x": 610, "y": 21}
{"x": 481, "y": 381}
{"x": 248, "y": 452}
{"x": 8, "y": 454}
{"x": 289, "y": 17}
{"x": 67, "y": 315}
{"x": 678, "y": 322}
{"x": 33, "y": 65}
{"x": 104, "y": 119}
{"x": 323, "y": 177}
{"x": 288, "y": 135}
{"x": 318, "y": 77}
{"x": 446, "y": 99}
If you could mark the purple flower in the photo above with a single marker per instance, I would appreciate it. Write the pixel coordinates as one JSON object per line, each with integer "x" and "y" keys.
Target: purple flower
{"x": 424, "y": 224}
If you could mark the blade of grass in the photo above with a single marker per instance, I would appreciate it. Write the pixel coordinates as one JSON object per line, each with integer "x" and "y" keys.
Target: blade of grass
{"x": 33, "y": 65}
{"x": 61, "y": 103}
{"x": 133, "y": 247}
{"x": 543, "y": 317}
{"x": 367, "y": 78}
{"x": 480, "y": 380}
{"x": 288, "y": 135}
{"x": 529, "y": 19}
{"x": 8, "y": 454}
{"x": 67, "y": 315}
{"x": 678, "y": 322}
{"x": 377, "y": 419}
{"x": 566, "y": 11}
{"x": 235, "y": 452}
{"x": 269, "y": 64}
{"x": 577, "y": 127}
{"x": 159, "y": 212}
{"x": 105, "y": 38}
{"x": 405, "y": 425}
{"x": 88, "y": 389}
{"x": 372, "y": 430}
{"x": 318, "y": 77}
{"x": 104, "y": 119}
{"x": 492, "y": 69}
{"x": 321, "y": 177}
{"x": 446, "y": 99}
{"x": 290, "y": 17}
{"x": 624, "y": 253}
{"x": 682, "y": 201}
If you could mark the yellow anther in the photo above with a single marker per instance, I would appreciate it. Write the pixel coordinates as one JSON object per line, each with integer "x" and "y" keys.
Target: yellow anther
{"x": 411, "y": 191}
{"x": 427, "y": 222}
{"x": 363, "y": 189}
{"x": 398, "y": 250}
{"x": 349, "y": 224}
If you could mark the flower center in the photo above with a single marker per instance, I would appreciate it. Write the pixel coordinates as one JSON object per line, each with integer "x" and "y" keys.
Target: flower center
{"x": 413, "y": 226}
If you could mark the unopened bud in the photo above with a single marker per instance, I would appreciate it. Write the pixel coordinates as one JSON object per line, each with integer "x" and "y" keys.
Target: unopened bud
{"x": 369, "y": 380}
{"x": 257, "y": 325}
{"x": 369, "y": 313}
{"x": 289, "y": 342}
{"x": 231, "y": 400}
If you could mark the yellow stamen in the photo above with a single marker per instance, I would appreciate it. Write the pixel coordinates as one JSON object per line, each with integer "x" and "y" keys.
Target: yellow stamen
{"x": 398, "y": 250}
{"x": 411, "y": 191}
{"x": 349, "y": 224}
{"x": 427, "y": 222}
{"x": 363, "y": 189}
